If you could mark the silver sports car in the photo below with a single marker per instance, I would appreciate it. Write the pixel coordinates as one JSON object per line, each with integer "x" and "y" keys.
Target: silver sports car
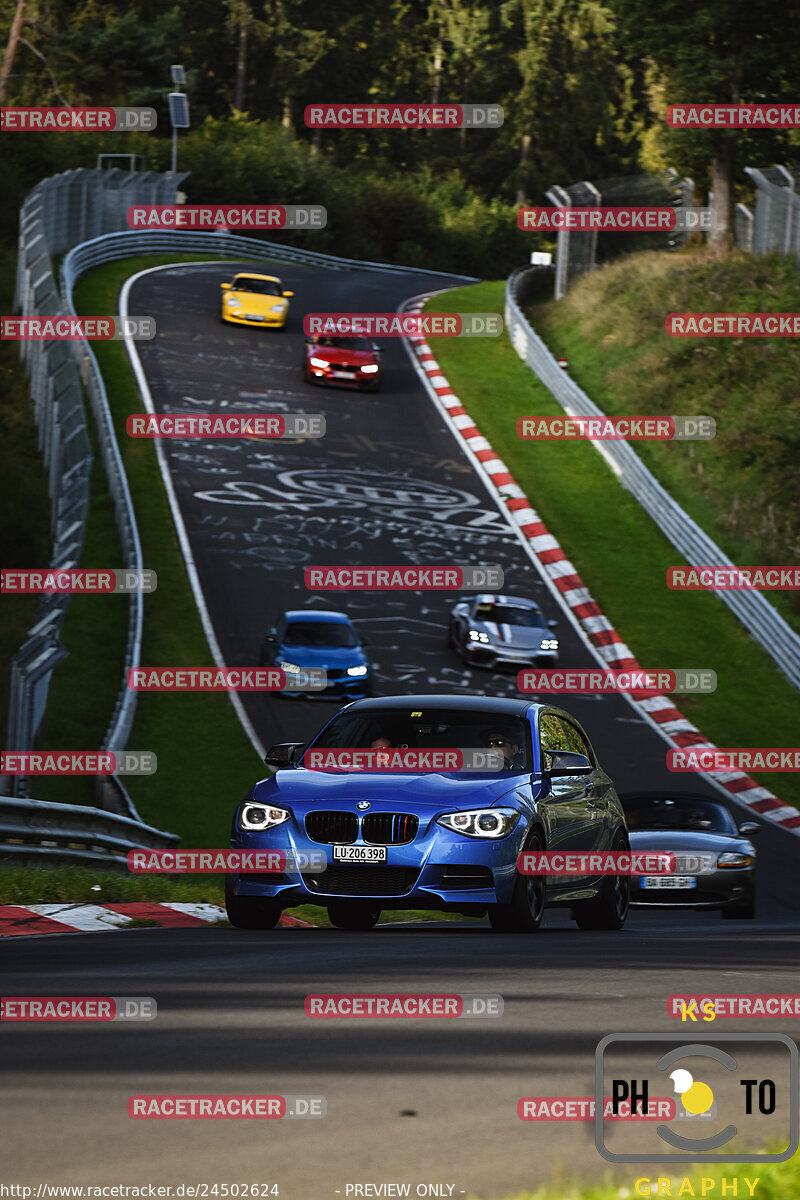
{"x": 716, "y": 860}
{"x": 498, "y": 631}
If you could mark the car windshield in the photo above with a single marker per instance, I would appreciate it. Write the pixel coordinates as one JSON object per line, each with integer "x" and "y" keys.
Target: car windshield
{"x": 508, "y": 614}
{"x": 702, "y": 815}
{"x": 262, "y": 287}
{"x": 344, "y": 343}
{"x": 431, "y": 729}
{"x": 319, "y": 633}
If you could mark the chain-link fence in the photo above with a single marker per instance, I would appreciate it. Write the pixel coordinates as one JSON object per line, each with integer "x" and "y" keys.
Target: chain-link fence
{"x": 578, "y": 252}
{"x": 59, "y": 213}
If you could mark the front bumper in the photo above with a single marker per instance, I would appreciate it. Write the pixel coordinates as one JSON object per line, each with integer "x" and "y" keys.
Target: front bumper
{"x": 502, "y": 657}
{"x": 436, "y": 870}
{"x": 272, "y": 321}
{"x": 360, "y": 383}
{"x": 717, "y": 889}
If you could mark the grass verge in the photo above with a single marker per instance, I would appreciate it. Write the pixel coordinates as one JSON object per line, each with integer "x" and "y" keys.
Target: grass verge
{"x": 618, "y": 550}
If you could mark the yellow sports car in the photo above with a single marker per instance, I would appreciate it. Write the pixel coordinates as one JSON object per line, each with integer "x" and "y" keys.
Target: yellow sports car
{"x": 255, "y": 300}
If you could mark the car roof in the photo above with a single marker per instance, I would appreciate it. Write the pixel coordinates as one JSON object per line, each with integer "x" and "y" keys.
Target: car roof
{"x": 252, "y": 275}
{"x": 500, "y": 600}
{"x": 501, "y": 705}
{"x": 322, "y": 614}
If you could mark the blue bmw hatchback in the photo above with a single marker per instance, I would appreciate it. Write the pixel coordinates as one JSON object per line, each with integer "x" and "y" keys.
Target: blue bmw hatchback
{"x": 306, "y": 637}
{"x": 443, "y": 839}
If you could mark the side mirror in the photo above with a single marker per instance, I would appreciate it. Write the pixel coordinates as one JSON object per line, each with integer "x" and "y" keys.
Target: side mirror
{"x": 226, "y": 287}
{"x": 288, "y": 293}
{"x": 364, "y": 641}
{"x": 552, "y": 624}
{"x": 376, "y": 348}
{"x": 285, "y": 754}
{"x": 749, "y": 828}
{"x": 565, "y": 762}
{"x": 270, "y": 637}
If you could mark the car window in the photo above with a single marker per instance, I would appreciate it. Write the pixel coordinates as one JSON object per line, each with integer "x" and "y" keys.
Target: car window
{"x": 653, "y": 812}
{"x": 319, "y": 633}
{"x": 433, "y": 728}
{"x": 557, "y": 735}
{"x": 509, "y": 614}
{"x": 262, "y": 287}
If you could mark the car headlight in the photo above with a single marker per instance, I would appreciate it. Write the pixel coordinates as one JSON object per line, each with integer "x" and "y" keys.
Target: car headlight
{"x": 370, "y": 369}
{"x": 734, "y": 859}
{"x": 232, "y": 302}
{"x": 261, "y": 816}
{"x": 549, "y": 644}
{"x": 475, "y": 635}
{"x": 481, "y": 822}
{"x": 356, "y": 672}
{"x": 276, "y": 308}
{"x": 290, "y": 668}
{"x": 319, "y": 362}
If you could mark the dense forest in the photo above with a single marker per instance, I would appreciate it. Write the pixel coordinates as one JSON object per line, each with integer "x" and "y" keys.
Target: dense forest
{"x": 584, "y": 86}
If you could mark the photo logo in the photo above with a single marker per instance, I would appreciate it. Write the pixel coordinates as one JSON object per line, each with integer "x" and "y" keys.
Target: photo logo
{"x": 78, "y": 1008}
{"x": 231, "y": 1108}
{"x": 717, "y": 1090}
{"x": 223, "y": 862}
{"x": 615, "y": 219}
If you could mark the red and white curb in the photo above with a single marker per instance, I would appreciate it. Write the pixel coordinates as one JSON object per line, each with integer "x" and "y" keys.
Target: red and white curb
{"x": 26, "y": 919}
{"x": 565, "y": 582}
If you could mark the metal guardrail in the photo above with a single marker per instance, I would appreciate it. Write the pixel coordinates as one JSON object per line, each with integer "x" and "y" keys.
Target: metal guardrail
{"x": 186, "y": 241}
{"x": 754, "y": 611}
{"x": 73, "y": 834}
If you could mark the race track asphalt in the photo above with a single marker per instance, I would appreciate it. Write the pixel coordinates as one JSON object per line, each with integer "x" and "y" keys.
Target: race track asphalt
{"x": 408, "y": 1100}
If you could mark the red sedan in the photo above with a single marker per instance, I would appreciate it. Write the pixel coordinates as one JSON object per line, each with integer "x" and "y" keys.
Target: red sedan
{"x": 352, "y": 362}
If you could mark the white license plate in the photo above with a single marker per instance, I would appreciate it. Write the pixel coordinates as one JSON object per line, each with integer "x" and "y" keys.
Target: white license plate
{"x": 369, "y": 854}
{"x": 669, "y": 881}
{"x": 343, "y": 374}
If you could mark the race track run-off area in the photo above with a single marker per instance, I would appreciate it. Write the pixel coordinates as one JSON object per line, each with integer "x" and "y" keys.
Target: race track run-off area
{"x": 407, "y": 1100}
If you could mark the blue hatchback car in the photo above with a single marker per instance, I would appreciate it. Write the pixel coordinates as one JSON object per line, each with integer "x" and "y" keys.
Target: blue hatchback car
{"x": 424, "y": 839}
{"x": 306, "y": 637}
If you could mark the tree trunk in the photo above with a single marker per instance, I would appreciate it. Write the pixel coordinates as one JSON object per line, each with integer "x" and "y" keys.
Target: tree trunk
{"x": 286, "y": 119}
{"x": 523, "y": 159}
{"x": 721, "y": 237}
{"x": 11, "y": 49}
{"x": 241, "y": 68}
